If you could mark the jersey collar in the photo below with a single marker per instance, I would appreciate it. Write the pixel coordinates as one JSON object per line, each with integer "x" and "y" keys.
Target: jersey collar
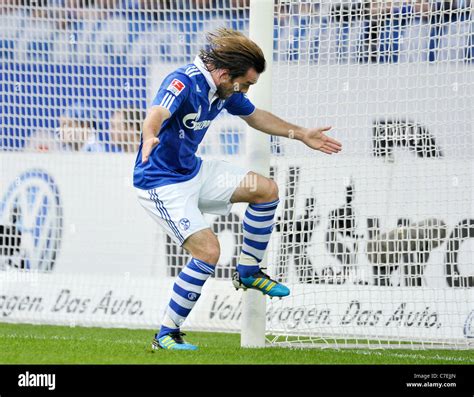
{"x": 212, "y": 86}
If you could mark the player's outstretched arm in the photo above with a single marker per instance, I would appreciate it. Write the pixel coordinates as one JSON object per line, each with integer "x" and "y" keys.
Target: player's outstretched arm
{"x": 315, "y": 138}
{"x": 151, "y": 126}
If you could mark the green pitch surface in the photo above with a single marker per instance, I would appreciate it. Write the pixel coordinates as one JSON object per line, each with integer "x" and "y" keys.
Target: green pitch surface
{"x": 41, "y": 344}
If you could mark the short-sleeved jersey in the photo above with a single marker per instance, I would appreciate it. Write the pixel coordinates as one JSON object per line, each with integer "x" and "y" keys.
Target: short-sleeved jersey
{"x": 186, "y": 94}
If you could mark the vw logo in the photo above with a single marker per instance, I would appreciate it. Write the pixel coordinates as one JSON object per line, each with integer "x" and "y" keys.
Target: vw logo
{"x": 32, "y": 205}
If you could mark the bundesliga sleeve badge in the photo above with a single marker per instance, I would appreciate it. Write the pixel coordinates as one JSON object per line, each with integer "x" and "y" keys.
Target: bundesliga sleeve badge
{"x": 176, "y": 87}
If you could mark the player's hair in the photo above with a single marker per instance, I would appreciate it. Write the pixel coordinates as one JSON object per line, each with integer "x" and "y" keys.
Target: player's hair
{"x": 229, "y": 49}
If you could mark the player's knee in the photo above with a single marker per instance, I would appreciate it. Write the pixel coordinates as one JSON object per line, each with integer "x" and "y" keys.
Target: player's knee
{"x": 208, "y": 252}
{"x": 268, "y": 193}
{"x": 211, "y": 254}
{"x": 204, "y": 246}
{"x": 273, "y": 192}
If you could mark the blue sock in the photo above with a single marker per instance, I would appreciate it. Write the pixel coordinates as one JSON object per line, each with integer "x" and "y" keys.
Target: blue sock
{"x": 186, "y": 292}
{"x": 165, "y": 331}
{"x": 258, "y": 225}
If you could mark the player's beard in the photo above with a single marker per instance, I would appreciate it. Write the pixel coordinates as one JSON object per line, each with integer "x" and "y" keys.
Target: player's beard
{"x": 223, "y": 92}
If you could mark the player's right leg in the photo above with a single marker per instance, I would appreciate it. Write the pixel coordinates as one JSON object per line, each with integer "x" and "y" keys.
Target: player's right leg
{"x": 204, "y": 249}
{"x": 175, "y": 209}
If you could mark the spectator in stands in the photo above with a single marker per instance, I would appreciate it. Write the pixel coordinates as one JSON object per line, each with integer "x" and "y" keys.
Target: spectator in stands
{"x": 110, "y": 33}
{"x": 91, "y": 9}
{"x": 7, "y": 5}
{"x": 35, "y": 39}
{"x": 296, "y": 32}
{"x": 11, "y": 16}
{"x": 125, "y": 130}
{"x": 385, "y": 23}
{"x": 44, "y": 141}
{"x": 450, "y": 18}
{"x": 81, "y": 19}
{"x": 468, "y": 15}
{"x": 444, "y": 21}
{"x": 78, "y": 129}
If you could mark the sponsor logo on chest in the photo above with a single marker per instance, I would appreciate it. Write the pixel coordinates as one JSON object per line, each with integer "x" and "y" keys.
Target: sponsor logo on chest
{"x": 191, "y": 121}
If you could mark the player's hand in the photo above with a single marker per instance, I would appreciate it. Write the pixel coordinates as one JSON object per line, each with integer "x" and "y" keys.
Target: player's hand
{"x": 147, "y": 147}
{"x": 316, "y": 139}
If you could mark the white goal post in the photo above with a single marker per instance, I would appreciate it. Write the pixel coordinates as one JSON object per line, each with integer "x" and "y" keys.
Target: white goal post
{"x": 258, "y": 158}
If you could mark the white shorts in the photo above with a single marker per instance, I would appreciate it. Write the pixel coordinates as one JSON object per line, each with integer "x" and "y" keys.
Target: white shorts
{"x": 178, "y": 207}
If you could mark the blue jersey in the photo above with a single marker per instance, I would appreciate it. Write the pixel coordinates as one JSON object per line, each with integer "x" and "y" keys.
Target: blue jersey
{"x": 188, "y": 93}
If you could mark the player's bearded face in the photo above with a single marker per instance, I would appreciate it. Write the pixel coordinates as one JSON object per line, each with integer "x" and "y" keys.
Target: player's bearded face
{"x": 229, "y": 86}
{"x": 225, "y": 90}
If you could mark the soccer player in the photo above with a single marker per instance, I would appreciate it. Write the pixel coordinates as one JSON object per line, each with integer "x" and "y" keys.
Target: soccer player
{"x": 175, "y": 186}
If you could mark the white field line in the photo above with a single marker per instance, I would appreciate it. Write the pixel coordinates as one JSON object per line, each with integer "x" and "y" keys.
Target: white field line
{"x": 417, "y": 356}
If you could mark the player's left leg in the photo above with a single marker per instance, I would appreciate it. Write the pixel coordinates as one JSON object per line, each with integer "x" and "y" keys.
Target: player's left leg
{"x": 225, "y": 184}
{"x": 262, "y": 195}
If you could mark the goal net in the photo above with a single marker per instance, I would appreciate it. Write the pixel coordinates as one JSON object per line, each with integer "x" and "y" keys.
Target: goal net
{"x": 375, "y": 243}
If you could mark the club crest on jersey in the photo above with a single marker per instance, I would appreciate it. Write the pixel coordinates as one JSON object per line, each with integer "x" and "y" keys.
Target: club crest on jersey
{"x": 176, "y": 87}
{"x": 192, "y": 122}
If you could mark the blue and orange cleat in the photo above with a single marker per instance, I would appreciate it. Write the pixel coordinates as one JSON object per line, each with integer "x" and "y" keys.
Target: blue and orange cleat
{"x": 261, "y": 282}
{"x": 172, "y": 341}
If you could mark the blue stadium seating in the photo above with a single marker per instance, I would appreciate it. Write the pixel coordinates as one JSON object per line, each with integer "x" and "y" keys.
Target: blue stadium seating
{"x": 44, "y": 69}
{"x": 34, "y": 95}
